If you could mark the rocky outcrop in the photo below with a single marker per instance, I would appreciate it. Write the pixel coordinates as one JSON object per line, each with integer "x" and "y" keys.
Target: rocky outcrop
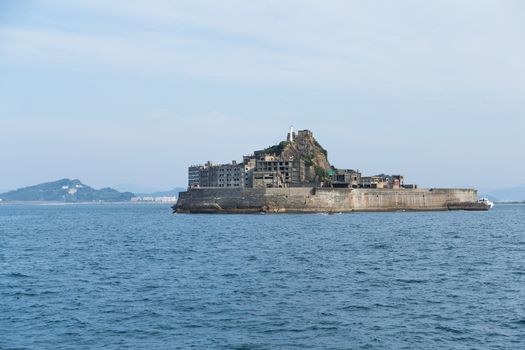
{"x": 304, "y": 146}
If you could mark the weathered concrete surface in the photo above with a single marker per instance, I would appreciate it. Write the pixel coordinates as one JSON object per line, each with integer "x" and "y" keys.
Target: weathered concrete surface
{"x": 308, "y": 200}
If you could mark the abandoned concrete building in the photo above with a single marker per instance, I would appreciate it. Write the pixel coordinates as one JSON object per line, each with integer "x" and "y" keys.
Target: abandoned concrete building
{"x": 384, "y": 181}
{"x": 345, "y": 178}
{"x": 263, "y": 169}
{"x": 272, "y": 171}
{"x": 266, "y": 171}
{"x": 217, "y": 175}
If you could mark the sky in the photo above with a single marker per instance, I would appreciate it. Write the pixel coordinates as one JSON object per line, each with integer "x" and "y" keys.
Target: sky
{"x": 133, "y": 92}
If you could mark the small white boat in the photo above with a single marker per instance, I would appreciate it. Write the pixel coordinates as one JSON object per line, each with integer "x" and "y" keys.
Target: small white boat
{"x": 486, "y": 201}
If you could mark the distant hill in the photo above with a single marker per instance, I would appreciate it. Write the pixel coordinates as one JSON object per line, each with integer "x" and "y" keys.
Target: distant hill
{"x": 130, "y": 187}
{"x": 66, "y": 190}
{"x": 170, "y": 193}
{"x": 148, "y": 192}
{"x": 512, "y": 194}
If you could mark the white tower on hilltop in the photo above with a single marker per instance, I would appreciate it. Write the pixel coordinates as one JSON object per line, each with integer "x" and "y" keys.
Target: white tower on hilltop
{"x": 291, "y": 134}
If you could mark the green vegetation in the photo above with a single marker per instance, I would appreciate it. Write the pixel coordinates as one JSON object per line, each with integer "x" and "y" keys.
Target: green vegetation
{"x": 276, "y": 149}
{"x": 66, "y": 190}
{"x": 321, "y": 173}
{"x": 308, "y": 161}
{"x": 307, "y": 149}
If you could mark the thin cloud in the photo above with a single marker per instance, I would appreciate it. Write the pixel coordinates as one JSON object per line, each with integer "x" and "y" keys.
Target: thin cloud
{"x": 374, "y": 47}
{"x": 398, "y": 86}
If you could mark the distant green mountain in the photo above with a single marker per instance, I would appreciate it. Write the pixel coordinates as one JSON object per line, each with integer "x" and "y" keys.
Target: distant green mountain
{"x": 66, "y": 190}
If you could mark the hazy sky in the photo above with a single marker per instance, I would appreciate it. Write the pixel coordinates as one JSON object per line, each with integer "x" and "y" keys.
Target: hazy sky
{"x": 127, "y": 91}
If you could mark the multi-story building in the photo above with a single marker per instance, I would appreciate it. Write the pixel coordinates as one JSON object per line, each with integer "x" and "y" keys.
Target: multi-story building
{"x": 271, "y": 171}
{"x": 194, "y": 175}
{"x": 249, "y": 167}
{"x": 269, "y": 168}
{"x": 345, "y": 178}
{"x": 209, "y": 175}
{"x": 230, "y": 175}
{"x": 397, "y": 181}
{"x": 216, "y": 175}
{"x": 382, "y": 181}
{"x": 373, "y": 182}
{"x": 266, "y": 171}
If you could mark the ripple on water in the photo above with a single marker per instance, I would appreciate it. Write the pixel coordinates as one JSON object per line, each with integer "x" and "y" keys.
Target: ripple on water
{"x": 119, "y": 276}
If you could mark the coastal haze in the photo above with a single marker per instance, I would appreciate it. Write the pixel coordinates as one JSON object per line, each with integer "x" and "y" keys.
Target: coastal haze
{"x": 135, "y": 92}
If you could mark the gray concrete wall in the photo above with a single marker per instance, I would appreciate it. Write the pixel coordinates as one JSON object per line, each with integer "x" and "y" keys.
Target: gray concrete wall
{"x": 238, "y": 200}
{"x": 410, "y": 199}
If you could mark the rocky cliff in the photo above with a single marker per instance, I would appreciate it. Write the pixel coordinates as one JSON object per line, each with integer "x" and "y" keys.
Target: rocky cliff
{"x": 304, "y": 146}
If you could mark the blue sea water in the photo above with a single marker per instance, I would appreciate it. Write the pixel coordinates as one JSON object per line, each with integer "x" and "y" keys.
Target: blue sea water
{"x": 139, "y": 277}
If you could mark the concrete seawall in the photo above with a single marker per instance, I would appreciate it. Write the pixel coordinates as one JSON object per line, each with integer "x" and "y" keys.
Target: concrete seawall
{"x": 308, "y": 200}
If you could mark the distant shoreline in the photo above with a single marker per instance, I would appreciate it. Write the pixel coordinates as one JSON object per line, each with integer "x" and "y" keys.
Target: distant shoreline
{"x": 80, "y": 203}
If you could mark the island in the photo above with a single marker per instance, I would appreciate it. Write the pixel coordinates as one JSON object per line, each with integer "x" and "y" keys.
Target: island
{"x": 65, "y": 190}
{"x": 295, "y": 176}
